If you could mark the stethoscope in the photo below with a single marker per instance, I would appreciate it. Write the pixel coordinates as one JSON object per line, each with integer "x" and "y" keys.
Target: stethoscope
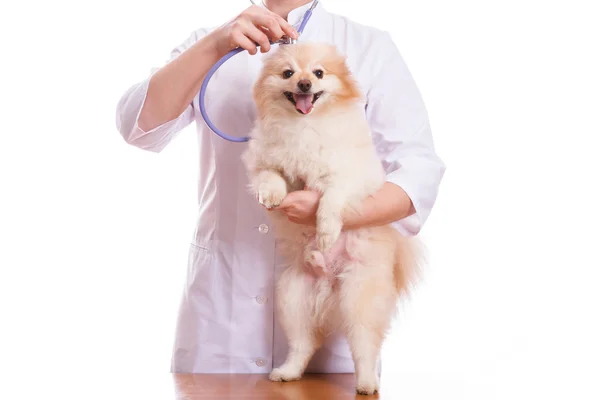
{"x": 283, "y": 40}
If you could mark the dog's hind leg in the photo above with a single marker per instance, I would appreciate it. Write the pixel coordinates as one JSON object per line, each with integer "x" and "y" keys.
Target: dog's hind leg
{"x": 367, "y": 304}
{"x": 296, "y": 302}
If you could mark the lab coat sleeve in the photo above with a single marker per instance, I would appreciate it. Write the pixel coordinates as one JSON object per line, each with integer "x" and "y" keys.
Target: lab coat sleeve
{"x": 401, "y": 133}
{"x": 130, "y": 106}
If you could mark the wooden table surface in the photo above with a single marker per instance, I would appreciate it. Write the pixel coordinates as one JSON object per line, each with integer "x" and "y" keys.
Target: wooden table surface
{"x": 258, "y": 387}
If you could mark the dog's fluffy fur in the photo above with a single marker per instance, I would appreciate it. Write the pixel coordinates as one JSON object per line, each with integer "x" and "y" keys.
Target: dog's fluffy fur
{"x": 347, "y": 280}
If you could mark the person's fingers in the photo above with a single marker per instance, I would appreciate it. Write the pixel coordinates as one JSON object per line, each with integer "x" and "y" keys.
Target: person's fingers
{"x": 266, "y": 18}
{"x": 270, "y": 27}
{"x": 286, "y": 27}
{"x": 256, "y": 35}
{"x": 239, "y": 39}
{"x": 289, "y": 200}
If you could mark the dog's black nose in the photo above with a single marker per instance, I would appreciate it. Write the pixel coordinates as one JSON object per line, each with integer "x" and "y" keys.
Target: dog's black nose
{"x": 304, "y": 85}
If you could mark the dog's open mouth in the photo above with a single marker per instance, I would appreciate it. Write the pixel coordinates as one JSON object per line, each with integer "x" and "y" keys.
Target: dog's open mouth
{"x": 304, "y": 102}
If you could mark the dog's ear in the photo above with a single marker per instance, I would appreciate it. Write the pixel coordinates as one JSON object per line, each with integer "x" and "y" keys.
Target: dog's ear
{"x": 336, "y": 63}
{"x": 333, "y": 49}
{"x": 335, "y": 53}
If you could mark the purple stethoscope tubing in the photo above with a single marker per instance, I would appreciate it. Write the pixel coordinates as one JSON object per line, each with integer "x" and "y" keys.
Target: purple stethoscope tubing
{"x": 227, "y": 57}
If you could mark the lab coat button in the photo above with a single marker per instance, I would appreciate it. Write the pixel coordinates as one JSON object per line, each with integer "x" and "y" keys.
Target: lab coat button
{"x": 263, "y": 228}
{"x": 261, "y": 299}
{"x": 260, "y": 362}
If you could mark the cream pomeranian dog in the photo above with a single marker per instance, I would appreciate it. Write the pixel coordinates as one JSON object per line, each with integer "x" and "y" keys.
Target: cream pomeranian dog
{"x": 311, "y": 132}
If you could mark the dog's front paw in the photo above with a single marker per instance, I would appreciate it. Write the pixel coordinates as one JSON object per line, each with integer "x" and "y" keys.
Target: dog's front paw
{"x": 328, "y": 232}
{"x": 284, "y": 375}
{"x": 315, "y": 262}
{"x": 270, "y": 195}
{"x": 314, "y": 259}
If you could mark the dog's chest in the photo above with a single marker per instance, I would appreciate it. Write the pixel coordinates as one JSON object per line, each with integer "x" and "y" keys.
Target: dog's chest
{"x": 305, "y": 160}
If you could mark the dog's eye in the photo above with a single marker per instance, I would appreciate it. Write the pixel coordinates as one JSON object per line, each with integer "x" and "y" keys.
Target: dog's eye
{"x": 288, "y": 73}
{"x": 318, "y": 73}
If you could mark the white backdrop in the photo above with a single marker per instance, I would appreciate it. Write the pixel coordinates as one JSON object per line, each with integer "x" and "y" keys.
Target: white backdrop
{"x": 94, "y": 233}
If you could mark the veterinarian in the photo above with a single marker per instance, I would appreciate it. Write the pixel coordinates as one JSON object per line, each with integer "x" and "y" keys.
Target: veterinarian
{"x": 226, "y": 321}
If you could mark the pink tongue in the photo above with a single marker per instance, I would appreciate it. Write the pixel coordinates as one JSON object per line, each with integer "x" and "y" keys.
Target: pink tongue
{"x": 303, "y": 102}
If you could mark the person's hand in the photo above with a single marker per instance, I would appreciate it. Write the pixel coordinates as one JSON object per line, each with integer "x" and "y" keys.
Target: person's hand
{"x": 301, "y": 206}
{"x": 254, "y": 25}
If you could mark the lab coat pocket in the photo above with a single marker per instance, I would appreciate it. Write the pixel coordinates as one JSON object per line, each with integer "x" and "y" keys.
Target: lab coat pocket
{"x": 198, "y": 265}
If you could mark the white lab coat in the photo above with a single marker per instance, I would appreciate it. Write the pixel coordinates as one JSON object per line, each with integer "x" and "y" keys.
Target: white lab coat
{"x": 226, "y": 322}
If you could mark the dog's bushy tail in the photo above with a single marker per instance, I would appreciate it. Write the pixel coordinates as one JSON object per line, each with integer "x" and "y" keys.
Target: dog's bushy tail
{"x": 410, "y": 258}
